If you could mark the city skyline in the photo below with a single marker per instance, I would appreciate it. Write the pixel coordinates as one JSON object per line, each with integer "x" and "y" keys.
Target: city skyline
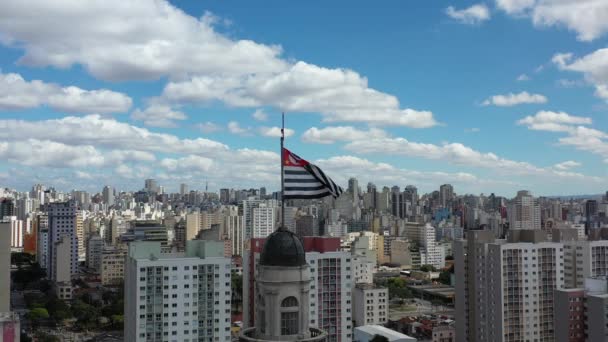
{"x": 486, "y": 96}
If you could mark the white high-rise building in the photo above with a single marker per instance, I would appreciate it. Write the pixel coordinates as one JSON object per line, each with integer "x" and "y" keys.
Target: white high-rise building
{"x": 62, "y": 222}
{"x": 17, "y": 231}
{"x": 177, "y": 297}
{"x": 370, "y": 305}
{"x": 524, "y": 211}
{"x": 585, "y": 259}
{"x": 505, "y": 287}
{"x": 264, "y": 220}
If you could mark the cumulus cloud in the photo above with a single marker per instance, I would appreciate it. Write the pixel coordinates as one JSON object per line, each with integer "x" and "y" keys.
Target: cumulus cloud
{"x": 472, "y": 15}
{"x": 208, "y": 127}
{"x": 16, "y": 94}
{"x": 330, "y": 135}
{"x": 577, "y": 135}
{"x": 260, "y": 115}
{"x": 553, "y": 121}
{"x": 116, "y": 135}
{"x": 593, "y": 66}
{"x": 523, "y": 77}
{"x": 235, "y": 128}
{"x": 512, "y": 99}
{"x": 149, "y": 40}
{"x": 567, "y": 165}
{"x": 585, "y": 17}
{"x": 158, "y": 116}
{"x": 275, "y": 132}
{"x": 338, "y": 94}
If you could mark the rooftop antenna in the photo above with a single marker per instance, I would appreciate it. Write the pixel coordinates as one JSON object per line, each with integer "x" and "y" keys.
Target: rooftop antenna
{"x": 282, "y": 226}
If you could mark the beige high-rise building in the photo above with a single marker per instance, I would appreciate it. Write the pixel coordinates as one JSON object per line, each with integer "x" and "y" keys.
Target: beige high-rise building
{"x": 113, "y": 265}
{"x": 524, "y": 211}
{"x": 192, "y": 225}
{"x": 82, "y": 243}
{"x": 505, "y": 288}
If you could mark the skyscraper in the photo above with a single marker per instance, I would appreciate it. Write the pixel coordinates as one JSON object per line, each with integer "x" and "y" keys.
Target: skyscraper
{"x": 62, "y": 223}
{"x": 446, "y": 195}
{"x": 183, "y": 189}
{"x": 505, "y": 291}
{"x": 524, "y": 211}
{"x": 151, "y": 186}
{"x": 108, "y": 195}
{"x": 353, "y": 187}
{"x": 396, "y": 201}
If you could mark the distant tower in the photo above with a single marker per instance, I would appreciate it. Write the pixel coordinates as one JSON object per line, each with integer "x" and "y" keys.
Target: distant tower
{"x": 282, "y": 293}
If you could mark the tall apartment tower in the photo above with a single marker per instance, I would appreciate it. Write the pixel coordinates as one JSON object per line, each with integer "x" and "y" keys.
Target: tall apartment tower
{"x": 62, "y": 223}
{"x": 264, "y": 221}
{"x": 108, "y": 195}
{"x": 506, "y": 288}
{"x": 585, "y": 259}
{"x": 524, "y": 211}
{"x": 177, "y": 297}
{"x": 446, "y": 194}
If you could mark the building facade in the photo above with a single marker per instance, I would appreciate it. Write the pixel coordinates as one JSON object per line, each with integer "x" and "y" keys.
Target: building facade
{"x": 177, "y": 297}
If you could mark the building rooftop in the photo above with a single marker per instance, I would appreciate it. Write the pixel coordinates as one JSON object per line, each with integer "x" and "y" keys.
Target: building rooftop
{"x": 392, "y": 335}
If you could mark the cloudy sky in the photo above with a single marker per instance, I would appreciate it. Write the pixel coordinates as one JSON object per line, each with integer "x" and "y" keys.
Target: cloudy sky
{"x": 490, "y": 96}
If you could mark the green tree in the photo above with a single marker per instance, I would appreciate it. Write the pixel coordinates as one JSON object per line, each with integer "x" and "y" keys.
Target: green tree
{"x": 85, "y": 314}
{"x": 379, "y": 338}
{"x": 58, "y": 309}
{"x": 428, "y": 268}
{"x": 38, "y": 314}
{"x": 118, "y": 322}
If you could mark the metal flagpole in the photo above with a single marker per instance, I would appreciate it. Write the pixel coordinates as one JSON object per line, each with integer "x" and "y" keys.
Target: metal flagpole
{"x": 282, "y": 171}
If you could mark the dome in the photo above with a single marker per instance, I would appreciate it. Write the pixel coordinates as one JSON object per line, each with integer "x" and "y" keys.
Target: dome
{"x": 283, "y": 248}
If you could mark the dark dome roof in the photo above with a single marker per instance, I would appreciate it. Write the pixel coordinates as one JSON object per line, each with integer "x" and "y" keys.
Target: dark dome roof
{"x": 283, "y": 248}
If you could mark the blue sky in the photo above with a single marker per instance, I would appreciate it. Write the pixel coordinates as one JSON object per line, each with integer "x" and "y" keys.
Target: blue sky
{"x": 490, "y": 96}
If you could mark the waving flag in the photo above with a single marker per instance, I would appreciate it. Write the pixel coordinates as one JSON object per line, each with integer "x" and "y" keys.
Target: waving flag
{"x": 304, "y": 180}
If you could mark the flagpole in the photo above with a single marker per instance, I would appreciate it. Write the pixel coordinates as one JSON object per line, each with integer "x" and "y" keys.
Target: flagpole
{"x": 282, "y": 171}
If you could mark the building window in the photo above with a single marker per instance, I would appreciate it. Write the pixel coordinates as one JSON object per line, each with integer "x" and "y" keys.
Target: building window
{"x": 289, "y": 302}
{"x": 289, "y": 323}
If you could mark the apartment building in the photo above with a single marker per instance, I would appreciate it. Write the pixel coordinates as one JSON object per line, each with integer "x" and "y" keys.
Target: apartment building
{"x": 370, "y": 305}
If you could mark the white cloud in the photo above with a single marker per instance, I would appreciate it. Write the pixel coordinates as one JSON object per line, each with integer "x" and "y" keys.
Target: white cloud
{"x": 275, "y": 132}
{"x": 235, "y": 128}
{"x": 119, "y": 40}
{"x": 553, "y": 121}
{"x": 578, "y": 136}
{"x": 593, "y": 66}
{"x": 158, "y": 116}
{"x": 149, "y": 40}
{"x": 586, "y": 17}
{"x": 523, "y": 77}
{"x": 187, "y": 164}
{"x": 82, "y": 175}
{"x": 208, "y": 127}
{"x": 260, "y": 115}
{"x": 341, "y": 168}
{"x": 514, "y": 99}
{"x": 338, "y": 94}
{"x": 17, "y": 93}
{"x": 472, "y": 130}
{"x": 472, "y": 15}
{"x": 567, "y": 165}
{"x": 566, "y": 83}
{"x": 454, "y": 153}
{"x": 46, "y": 153}
{"x": 330, "y": 135}
{"x": 107, "y": 133}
